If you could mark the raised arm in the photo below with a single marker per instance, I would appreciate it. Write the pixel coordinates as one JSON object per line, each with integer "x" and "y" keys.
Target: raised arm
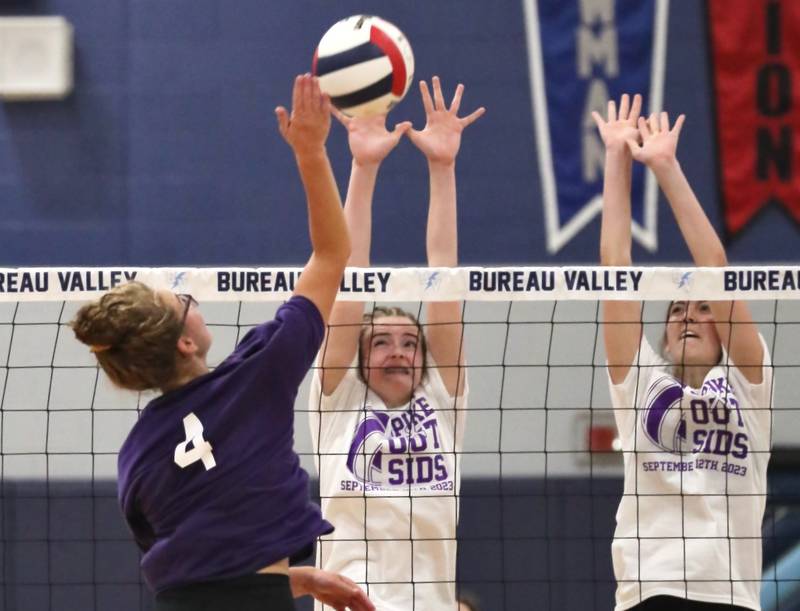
{"x": 306, "y": 131}
{"x": 370, "y": 143}
{"x": 734, "y": 322}
{"x": 622, "y": 328}
{"x": 440, "y": 141}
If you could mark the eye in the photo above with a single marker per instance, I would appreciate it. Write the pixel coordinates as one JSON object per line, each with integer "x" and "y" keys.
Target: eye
{"x": 379, "y": 342}
{"x": 410, "y": 344}
{"x": 705, "y": 307}
{"x": 676, "y": 309}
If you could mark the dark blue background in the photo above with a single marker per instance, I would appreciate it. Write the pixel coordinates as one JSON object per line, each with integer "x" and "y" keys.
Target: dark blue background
{"x": 167, "y": 152}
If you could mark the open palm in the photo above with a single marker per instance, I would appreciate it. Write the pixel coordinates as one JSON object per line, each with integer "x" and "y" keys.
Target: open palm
{"x": 370, "y": 142}
{"x": 307, "y": 127}
{"x": 659, "y": 143}
{"x": 440, "y": 139}
{"x": 620, "y": 126}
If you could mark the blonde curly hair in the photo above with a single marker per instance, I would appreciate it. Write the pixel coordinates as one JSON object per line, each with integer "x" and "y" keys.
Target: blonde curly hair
{"x": 133, "y": 334}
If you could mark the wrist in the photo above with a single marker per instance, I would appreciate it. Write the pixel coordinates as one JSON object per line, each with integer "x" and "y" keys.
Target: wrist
{"x": 664, "y": 165}
{"x": 436, "y": 165}
{"x": 367, "y": 165}
{"x": 299, "y": 578}
{"x": 618, "y": 160}
{"x": 311, "y": 154}
{"x": 618, "y": 151}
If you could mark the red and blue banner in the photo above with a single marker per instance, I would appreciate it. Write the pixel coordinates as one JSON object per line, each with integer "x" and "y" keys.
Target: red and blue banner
{"x": 581, "y": 54}
{"x": 755, "y": 48}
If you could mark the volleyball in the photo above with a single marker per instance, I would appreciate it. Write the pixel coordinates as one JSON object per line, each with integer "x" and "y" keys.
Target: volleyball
{"x": 365, "y": 64}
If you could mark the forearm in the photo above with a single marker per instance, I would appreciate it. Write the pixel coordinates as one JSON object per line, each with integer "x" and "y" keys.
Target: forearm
{"x": 358, "y": 211}
{"x": 327, "y": 227}
{"x": 615, "y": 231}
{"x": 341, "y": 343}
{"x": 442, "y": 229}
{"x": 299, "y": 579}
{"x": 697, "y": 231}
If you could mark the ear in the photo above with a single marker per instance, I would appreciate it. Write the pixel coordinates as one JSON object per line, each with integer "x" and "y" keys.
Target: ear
{"x": 186, "y": 346}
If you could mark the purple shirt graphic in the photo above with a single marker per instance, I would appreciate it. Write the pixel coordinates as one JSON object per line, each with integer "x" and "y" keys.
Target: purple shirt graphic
{"x": 244, "y": 504}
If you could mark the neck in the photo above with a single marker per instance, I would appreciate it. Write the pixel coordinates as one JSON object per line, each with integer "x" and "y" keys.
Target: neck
{"x": 185, "y": 374}
{"x": 395, "y": 402}
{"x": 692, "y": 375}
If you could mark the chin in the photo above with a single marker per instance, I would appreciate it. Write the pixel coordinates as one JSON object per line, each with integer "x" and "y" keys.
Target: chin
{"x": 392, "y": 393}
{"x": 691, "y": 358}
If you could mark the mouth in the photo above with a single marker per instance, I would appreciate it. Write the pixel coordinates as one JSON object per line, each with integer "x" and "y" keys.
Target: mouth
{"x": 689, "y": 335}
{"x": 397, "y": 371}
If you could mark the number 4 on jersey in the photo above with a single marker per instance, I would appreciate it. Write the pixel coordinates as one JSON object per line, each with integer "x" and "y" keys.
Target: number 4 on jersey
{"x": 201, "y": 449}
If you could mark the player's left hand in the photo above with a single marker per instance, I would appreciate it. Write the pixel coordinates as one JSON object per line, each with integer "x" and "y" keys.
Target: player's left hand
{"x": 659, "y": 143}
{"x": 441, "y": 138}
{"x": 334, "y": 590}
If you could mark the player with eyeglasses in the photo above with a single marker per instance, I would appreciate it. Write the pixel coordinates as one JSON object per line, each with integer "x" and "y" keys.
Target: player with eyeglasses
{"x": 208, "y": 480}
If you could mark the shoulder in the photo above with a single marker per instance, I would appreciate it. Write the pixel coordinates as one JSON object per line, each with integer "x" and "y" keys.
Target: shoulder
{"x": 298, "y": 321}
{"x": 760, "y": 394}
{"x": 350, "y": 391}
{"x": 433, "y": 383}
{"x": 298, "y": 312}
{"x": 646, "y": 363}
{"x": 299, "y": 305}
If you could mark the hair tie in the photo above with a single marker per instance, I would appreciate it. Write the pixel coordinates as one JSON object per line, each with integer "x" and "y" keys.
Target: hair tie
{"x": 95, "y": 348}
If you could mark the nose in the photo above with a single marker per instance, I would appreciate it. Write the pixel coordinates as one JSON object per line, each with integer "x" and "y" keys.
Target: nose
{"x": 692, "y": 314}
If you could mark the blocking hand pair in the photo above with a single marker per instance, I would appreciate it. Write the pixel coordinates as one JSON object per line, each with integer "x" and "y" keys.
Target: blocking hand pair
{"x": 306, "y": 129}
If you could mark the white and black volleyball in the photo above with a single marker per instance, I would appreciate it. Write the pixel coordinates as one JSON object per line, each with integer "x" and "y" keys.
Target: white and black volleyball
{"x": 364, "y": 64}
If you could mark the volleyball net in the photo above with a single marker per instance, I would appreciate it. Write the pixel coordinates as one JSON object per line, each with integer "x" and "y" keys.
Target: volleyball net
{"x": 540, "y": 463}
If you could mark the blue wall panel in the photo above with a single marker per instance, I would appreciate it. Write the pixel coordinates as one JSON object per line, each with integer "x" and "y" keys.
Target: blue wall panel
{"x": 167, "y": 152}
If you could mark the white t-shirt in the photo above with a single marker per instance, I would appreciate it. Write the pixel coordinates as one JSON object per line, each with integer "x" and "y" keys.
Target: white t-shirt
{"x": 689, "y": 522}
{"x": 389, "y": 483}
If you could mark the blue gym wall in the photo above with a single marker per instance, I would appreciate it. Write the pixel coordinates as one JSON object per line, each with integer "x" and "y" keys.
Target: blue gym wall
{"x": 167, "y": 154}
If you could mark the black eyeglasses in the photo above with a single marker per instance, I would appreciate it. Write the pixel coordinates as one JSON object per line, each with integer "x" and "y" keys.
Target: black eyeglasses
{"x": 189, "y": 301}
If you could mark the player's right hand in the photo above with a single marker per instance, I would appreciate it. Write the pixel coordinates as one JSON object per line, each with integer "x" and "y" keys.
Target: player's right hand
{"x": 306, "y": 130}
{"x": 370, "y": 142}
{"x": 620, "y": 126}
{"x": 338, "y": 591}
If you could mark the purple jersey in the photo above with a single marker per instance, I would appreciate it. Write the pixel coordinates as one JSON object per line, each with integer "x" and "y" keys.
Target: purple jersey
{"x": 208, "y": 479}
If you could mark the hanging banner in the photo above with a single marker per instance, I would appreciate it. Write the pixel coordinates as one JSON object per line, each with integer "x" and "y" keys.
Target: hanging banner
{"x": 581, "y": 54}
{"x": 755, "y": 48}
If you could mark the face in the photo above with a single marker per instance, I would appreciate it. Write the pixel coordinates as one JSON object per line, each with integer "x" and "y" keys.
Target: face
{"x": 392, "y": 359}
{"x": 691, "y": 336}
{"x": 194, "y": 326}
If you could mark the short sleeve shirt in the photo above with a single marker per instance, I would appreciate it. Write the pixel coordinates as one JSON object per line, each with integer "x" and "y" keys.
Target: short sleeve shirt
{"x": 389, "y": 480}
{"x": 689, "y": 522}
{"x": 208, "y": 479}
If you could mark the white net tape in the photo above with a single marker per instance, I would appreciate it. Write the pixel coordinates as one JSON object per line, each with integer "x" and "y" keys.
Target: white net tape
{"x": 419, "y": 284}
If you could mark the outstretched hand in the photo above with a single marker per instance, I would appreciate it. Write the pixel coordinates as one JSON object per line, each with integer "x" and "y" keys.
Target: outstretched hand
{"x": 441, "y": 138}
{"x": 336, "y": 591}
{"x": 659, "y": 143}
{"x": 307, "y": 128}
{"x": 370, "y": 142}
{"x": 619, "y": 128}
